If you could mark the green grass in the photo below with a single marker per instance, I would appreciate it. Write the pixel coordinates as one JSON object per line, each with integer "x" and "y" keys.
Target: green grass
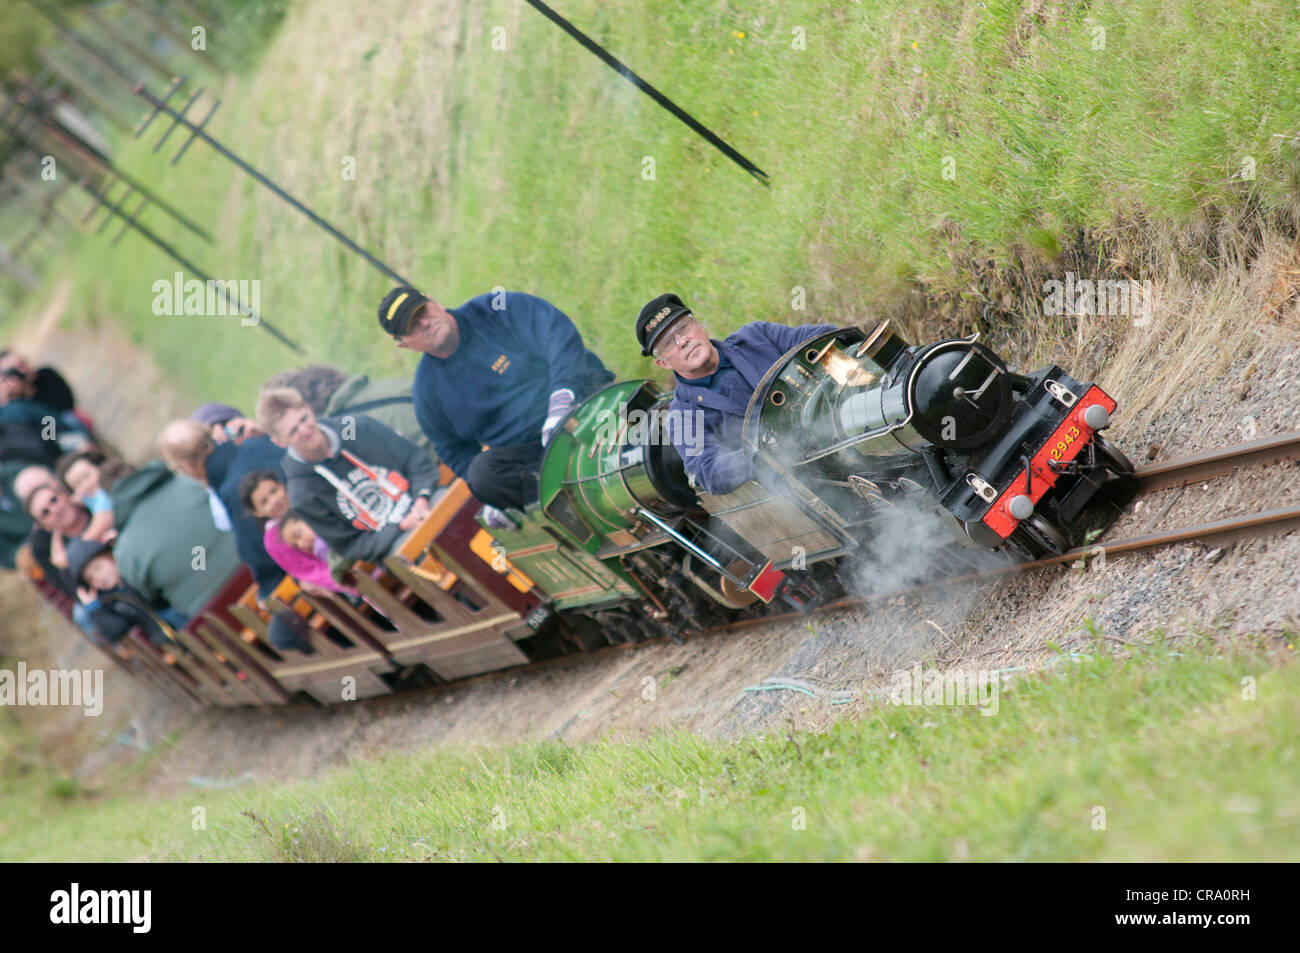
{"x": 1184, "y": 767}
{"x": 523, "y": 167}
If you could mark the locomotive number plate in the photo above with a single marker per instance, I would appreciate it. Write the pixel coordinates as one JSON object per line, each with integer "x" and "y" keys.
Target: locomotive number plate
{"x": 1071, "y": 434}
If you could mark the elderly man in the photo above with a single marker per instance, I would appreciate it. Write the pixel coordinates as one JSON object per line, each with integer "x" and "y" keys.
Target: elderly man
{"x": 358, "y": 484}
{"x": 189, "y": 449}
{"x": 716, "y": 379}
{"x": 501, "y": 370}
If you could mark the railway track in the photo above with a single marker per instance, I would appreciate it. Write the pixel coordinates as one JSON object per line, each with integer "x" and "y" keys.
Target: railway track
{"x": 1170, "y": 474}
{"x": 1216, "y": 463}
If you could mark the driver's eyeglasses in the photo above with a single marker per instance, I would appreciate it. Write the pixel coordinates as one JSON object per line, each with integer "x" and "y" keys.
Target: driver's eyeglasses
{"x": 680, "y": 335}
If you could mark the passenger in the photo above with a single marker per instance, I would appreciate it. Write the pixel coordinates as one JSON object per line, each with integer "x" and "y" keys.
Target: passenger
{"x": 330, "y": 392}
{"x": 45, "y": 385}
{"x": 168, "y": 547}
{"x": 262, "y": 493}
{"x": 500, "y": 370}
{"x": 299, "y": 538}
{"x": 225, "y": 423}
{"x": 288, "y": 630}
{"x": 15, "y": 524}
{"x": 358, "y": 484}
{"x": 80, "y": 473}
{"x": 189, "y": 449}
{"x": 114, "y": 606}
{"x": 58, "y": 518}
{"x": 715, "y": 379}
{"x": 38, "y": 433}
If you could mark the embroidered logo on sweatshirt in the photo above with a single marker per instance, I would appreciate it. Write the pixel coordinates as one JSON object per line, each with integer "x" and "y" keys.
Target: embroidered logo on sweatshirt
{"x": 500, "y": 364}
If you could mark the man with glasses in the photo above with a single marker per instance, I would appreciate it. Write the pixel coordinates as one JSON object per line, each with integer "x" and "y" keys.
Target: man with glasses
{"x": 716, "y": 380}
{"x": 500, "y": 371}
{"x": 59, "y": 520}
{"x": 163, "y": 526}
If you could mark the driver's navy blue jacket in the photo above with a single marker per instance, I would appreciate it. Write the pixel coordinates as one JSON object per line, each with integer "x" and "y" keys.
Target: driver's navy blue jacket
{"x": 712, "y": 452}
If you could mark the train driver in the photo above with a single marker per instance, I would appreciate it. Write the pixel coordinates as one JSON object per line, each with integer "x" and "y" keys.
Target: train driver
{"x": 715, "y": 379}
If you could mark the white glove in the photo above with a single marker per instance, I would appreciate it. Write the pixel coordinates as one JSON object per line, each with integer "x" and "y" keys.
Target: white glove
{"x": 560, "y": 404}
{"x": 495, "y": 518}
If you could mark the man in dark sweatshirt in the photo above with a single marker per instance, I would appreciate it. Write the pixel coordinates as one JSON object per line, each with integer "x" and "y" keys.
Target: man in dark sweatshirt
{"x": 331, "y": 392}
{"x": 500, "y": 370}
{"x": 360, "y": 485}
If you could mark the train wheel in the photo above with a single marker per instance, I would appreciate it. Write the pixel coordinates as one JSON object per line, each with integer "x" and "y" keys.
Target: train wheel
{"x": 1117, "y": 492}
{"x": 584, "y": 632}
{"x": 1113, "y": 456}
{"x": 1051, "y": 538}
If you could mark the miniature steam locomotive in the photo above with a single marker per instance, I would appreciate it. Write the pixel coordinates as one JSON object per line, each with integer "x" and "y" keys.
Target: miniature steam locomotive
{"x": 845, "y": 429}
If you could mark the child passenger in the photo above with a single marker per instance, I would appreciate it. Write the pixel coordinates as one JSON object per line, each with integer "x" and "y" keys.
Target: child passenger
{"x": 289, "y": 541}
{"x": 88, "y": 473}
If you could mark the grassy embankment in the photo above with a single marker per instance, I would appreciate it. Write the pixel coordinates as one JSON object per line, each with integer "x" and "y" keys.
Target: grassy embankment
{"x": 1184, "y": 765}
{"x": 1080, "y": 132}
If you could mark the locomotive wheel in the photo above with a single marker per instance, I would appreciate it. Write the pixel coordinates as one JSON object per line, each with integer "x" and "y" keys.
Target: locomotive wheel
{"x": 1119, "y": 491}
{"x": 1113, "y": 456}
{"x": 585, "y": 633}
{"x": 1051, "y": 539}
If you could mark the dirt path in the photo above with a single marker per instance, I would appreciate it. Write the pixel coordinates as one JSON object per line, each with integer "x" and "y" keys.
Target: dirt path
{"x": 1251, "y": 587}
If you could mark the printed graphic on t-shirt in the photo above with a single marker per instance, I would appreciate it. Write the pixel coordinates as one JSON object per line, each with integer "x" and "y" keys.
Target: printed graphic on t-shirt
{"x": 377, "y": 504}
{"x": 370, "y": 496}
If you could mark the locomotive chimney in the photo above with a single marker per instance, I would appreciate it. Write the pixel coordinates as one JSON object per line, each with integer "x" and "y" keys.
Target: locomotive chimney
{"x": 882, "y": 345}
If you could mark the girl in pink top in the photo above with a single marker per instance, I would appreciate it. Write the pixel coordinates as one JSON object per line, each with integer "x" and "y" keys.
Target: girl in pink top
{"x": 263, "y": 495}
{"x": 302, "y": 553}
